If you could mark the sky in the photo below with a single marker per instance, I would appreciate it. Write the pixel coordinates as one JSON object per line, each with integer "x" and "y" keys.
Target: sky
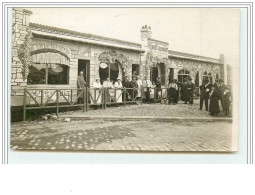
{"x": 201, "y": 31}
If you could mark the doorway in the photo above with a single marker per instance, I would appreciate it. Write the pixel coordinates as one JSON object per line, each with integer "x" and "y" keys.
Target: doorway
{"x": 154, "y": 74}
{"x": 109, "y": 70}
{"x": 84, "y": 65}
{"x": 135, "y": 70}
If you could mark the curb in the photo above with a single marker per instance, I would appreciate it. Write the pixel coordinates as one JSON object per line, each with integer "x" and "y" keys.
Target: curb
{"x": 141, "y": 118}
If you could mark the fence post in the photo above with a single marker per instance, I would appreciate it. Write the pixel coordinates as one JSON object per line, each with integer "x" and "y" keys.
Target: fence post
{"x": 24, "y": 104}
{"x": 87, "y": 99}
{"x": 161, "y": 96}
{"x": 57, "y": 103}
{"x": 125, "y": 96}
{"x": 84, "y": 102}
{"x": 141, "y": 94}
{"x": 72, "y": 96}
{"x": 115, "y": 99}
{"x": 41, "y": 97}
{"x": 103, "y": 98}
{"x": 155, "y": 95}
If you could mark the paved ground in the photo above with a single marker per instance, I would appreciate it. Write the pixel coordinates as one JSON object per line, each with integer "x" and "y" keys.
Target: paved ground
{"x": 122, "y": 135}
{"x": 159, "y": 110}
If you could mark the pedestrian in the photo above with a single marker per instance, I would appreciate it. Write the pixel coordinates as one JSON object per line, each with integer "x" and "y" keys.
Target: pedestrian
{"x": 134, "y": 86}
{"x": 140, "y": 85}
{"x": 107, "y": 85}
{"x": 81, "y": 84}
{"x": 125, "y": 84}
{"x": 221, "y": 88}
{"x": 158, "y": 87}
{"x": 118, "y": 86}
{"x": 98, "y": 91}
{"x": 205, "y": 89}
{"x": 172, "y": 90}
{"x": 214, "y": 101}
{"x": 147, "y": 88}
{"x": 177, "y": 92}
{"x": 226, "y": 100}
{"x": 184, "y": 91}
{"x": 190, "y": 91}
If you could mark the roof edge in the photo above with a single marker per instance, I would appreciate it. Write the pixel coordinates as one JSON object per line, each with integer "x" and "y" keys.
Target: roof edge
{"x": 87, "y": 35}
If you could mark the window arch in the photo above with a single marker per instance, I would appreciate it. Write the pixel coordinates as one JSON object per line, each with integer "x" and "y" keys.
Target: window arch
{"x": 49, "y": 68}
{"x": 182, "y": 75}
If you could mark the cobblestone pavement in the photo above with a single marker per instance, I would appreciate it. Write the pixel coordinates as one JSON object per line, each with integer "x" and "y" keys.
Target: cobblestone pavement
{"x": 159, "y": 110}
{"x": 122, "y": 135}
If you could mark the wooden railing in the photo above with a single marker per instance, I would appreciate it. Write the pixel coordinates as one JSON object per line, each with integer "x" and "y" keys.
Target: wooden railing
{"x": 48, "y": 98}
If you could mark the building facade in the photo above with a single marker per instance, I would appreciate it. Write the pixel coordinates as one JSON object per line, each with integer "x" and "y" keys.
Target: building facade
{"x": 58, "y": 55}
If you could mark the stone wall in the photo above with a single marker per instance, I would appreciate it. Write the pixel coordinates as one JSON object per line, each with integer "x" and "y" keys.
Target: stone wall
{"x": 20, "y": 27}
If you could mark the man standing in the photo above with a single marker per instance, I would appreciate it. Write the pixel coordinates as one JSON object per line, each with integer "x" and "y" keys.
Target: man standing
{"x": 147, "y": 87}
{"x": 125, "y": 84}
{"x": 133, "y": 84}
{"x": 190, "y": 91}
{"x": 177, "y": 92}
{"x": 205, "y": 89}
{"x": 172, "y": 92}
{"x": 158, "y": 87}
{"x": 81, "y": 84}
{"x": 221, "y": 88}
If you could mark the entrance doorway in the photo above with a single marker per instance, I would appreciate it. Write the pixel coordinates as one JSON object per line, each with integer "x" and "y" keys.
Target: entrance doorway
{"x": 109, "y": 70}
{"x": 197, "y": 80}
{"x": 154, "y": 74}
{"x": 84, "y": 65}
{"x": 171, "y": 75}
{"x": 162, "y": 73}
{"x": 135, "y": 70}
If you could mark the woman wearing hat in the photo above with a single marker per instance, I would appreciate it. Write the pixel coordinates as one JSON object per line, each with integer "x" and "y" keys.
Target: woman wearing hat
{"x": 118, "y": 86}
{"x": 98, "y": 88}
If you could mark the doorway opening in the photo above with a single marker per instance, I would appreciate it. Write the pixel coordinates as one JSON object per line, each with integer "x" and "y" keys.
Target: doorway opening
{"x": 135, "y": 70}
{"x": 84, "y": 65}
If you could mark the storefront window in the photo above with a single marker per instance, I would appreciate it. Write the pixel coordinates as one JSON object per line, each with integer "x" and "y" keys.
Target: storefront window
{"x": 54, "y": 74}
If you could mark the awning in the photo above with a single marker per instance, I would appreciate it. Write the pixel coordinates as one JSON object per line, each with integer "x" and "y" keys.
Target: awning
{"x": 50, "y": 58}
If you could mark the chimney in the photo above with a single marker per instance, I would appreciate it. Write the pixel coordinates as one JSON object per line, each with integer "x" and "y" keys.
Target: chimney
{"x": 145, "y": 32}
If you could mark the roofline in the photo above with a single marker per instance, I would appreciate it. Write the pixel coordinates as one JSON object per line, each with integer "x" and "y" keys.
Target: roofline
{"x": 85, "y": 35}
{"x": 159, "y": 41}
{"x": 77, "y": 39}
{"x": 193, "y": 56}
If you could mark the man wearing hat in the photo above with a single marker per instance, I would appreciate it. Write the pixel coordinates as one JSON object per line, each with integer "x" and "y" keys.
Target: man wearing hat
{"x": 134, "y": 86}
{"x": 80, "y": 85}
{"x": 190, "y": 91}
{"x": 158, "y": 87}
{"x": 205, "y": 90}
{"x": 125, "y": 84}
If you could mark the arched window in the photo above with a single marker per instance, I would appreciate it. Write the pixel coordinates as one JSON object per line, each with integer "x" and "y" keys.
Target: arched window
{"x": 110, "y": 70}
{"x": 49, "y": 68}
{"x": 182, "y": 75}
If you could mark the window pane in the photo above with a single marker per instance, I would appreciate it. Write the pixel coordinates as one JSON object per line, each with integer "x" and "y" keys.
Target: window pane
{"x": 57, "y": 74}
{"x": 37, "y": 73}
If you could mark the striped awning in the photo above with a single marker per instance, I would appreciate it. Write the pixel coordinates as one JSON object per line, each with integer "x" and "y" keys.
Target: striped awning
{"x": 51, "y": 58}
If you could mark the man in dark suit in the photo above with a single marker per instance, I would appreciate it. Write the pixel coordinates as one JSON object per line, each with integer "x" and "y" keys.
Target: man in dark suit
{"x": 80, "y": 85}
{"x": 205, "y": 89}
{"x": 133, "y": 92}
{"x": 190, "y": 91}
{"x": 125, "y": 84}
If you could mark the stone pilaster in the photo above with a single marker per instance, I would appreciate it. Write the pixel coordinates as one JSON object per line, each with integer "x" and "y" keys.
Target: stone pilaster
{"x": 20, "y": 27}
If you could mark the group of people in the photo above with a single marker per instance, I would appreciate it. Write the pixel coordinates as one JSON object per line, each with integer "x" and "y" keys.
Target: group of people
{"x": 217, "y": 92}
{"x": 212, "y": 95}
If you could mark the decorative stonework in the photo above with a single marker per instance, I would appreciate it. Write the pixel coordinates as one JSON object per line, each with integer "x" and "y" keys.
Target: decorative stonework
{"x": 113, "y": 56}
{"x": 152, "y": 58}
{"x": 44, "y": 46}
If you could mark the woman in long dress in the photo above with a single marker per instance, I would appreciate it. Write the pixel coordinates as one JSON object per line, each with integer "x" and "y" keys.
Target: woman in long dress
{"x": 214, "y": 107}
{"x": 118, "y": 86}
{"x": 98, "y": 88}
{"x": 140, "y": 85}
